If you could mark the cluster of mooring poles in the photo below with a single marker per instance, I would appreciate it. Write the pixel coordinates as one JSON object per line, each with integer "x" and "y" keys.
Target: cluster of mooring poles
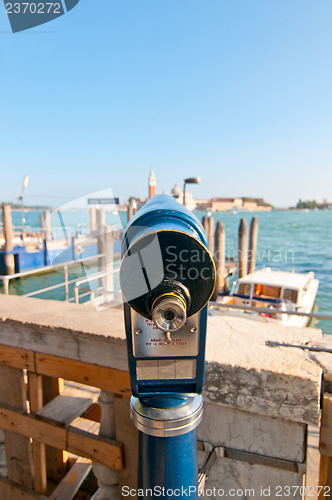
{"x": 246, "y": 251}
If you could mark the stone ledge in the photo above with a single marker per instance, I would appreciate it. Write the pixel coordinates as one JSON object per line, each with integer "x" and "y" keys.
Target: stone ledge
{"x": 241, "y": 370}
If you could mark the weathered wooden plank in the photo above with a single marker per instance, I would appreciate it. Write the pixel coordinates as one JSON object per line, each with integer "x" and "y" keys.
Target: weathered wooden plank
{"x": 56, "y": 460}
{"x": 328, "y": 382}
{"x": 93, "y": 413}
{"x": 17, "y": 358}
{"x": 101, "y": 449}
{"x": 66, "y": 407}
{"x": 75, "y": 438}
{"x": 325, "y": 448}
{"x": 38, "y": 449}
{"x": 109, "y": 379}
{"x": 73, "y": 480}
{"x": 325, "y": 444}
{"x": 325, "y": 477}
{"x": 103, "y": 377}
{"x": 12, "y": 491}
{"x": 28, "y": 425}
{"x": 126, "y": 433}
{"x": 52, "y": 386}
{"x": 17, "y": 448}
{"x": 312, "y": 462}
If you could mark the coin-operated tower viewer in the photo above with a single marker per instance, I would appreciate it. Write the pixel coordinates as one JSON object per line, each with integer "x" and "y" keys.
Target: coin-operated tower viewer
{"x": 167, "y": 277}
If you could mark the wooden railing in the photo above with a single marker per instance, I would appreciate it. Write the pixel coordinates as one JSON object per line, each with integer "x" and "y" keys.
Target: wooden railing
{"x": 55, "y": 432}
{"x": 50, "y": 426}
{"x": 325, "y": 448}
{"x": 68, "y": 420}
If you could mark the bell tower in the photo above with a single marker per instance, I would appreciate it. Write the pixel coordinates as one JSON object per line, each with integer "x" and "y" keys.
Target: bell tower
{"x": 152, "y": 184}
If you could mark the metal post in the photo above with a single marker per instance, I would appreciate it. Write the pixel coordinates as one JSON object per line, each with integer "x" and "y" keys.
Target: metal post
{"x": 65, "y": 272}
{"x": 167, "y": 427}
{"x": 22, "y": 216}
{"x": 73, "y": 247}
{"x": 24, "y": 185}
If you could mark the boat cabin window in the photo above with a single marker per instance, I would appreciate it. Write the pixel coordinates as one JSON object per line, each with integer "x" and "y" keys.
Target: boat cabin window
{"x": 244, "y": 289}
{"x": 267, "y": 291}
{"x": 291, "y": 295}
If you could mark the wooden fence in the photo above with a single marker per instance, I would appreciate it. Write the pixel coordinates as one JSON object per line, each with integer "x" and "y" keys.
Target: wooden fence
{"x": 37, "y": 412}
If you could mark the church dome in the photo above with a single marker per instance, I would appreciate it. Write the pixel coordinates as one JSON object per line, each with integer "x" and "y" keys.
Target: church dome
{"x": 176, "y": 191}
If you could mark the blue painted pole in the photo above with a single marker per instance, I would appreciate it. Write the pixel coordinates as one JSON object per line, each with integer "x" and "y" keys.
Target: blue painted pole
{"x": 167, "y": 465}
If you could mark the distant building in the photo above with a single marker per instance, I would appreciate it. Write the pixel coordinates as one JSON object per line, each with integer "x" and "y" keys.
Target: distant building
{"x": 152, "y": 184}
{"x": 178, "y": 195}
{"x": 222, "y": 204}
{"x": 233, "y": 205}
{"x": 250, "y": 205}
{"x": 203, "y": 204}
{"x": 324, "y": 206}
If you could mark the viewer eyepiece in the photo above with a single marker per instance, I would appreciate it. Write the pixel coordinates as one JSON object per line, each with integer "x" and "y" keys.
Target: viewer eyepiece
{"x": 169, "y": 312}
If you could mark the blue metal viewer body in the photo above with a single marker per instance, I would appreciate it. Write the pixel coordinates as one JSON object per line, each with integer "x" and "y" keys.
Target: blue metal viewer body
{"x": 165, "y": 260}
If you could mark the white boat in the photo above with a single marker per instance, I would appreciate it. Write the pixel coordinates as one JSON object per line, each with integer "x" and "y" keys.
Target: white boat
{"x": 275, "y": 290}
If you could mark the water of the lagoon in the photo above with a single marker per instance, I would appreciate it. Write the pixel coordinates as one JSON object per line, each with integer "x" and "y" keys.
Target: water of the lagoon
{"x": 287, "y": 240}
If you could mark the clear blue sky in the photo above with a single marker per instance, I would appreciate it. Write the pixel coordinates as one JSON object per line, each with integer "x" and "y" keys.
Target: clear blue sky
{"x": 237, "y": 91}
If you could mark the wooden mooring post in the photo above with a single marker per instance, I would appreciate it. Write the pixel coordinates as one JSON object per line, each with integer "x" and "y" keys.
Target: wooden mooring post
{"x": 106, "y": 247}
{"x": 93, "y": 221}
{"x": 130, "y": 211}
{"x": 8, "y": 234}
{"x": 100, "y": 217}
{"x": 252, "y": 245}
{"x": 48, "y": 226}
{"x": 42, "y": 226}
{"x": 219, "y": 258}
{"x": 242, "y": 258}
{"x": 132, "y": 208}
{"x": 208, "y": 224}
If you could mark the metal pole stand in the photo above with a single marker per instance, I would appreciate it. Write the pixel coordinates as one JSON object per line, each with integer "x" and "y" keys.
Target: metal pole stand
{"x": 167, "y": 444}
